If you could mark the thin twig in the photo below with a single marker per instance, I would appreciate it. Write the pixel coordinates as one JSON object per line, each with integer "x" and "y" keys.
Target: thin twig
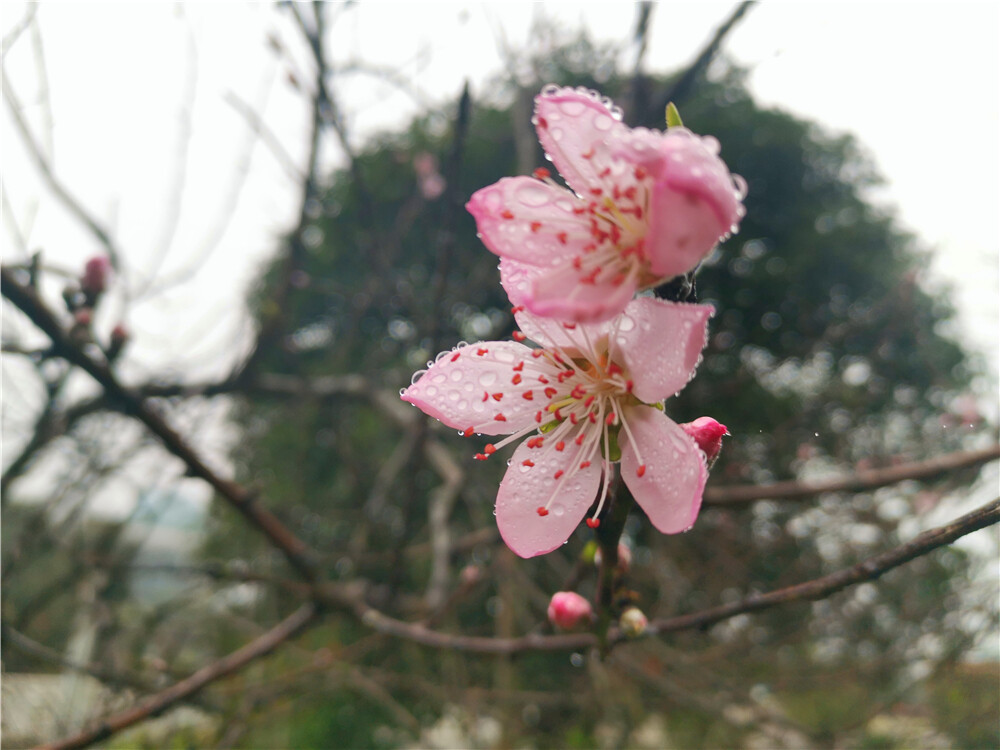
{"x": 160, "y": 702}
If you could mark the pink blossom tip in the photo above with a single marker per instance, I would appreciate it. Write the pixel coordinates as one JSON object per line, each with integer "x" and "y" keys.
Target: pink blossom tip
{"x": 569, "y": 610}
{"x": 708, "y": 434}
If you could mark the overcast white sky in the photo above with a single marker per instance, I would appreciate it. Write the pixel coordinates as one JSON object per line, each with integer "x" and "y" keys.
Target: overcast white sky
{"x": 916, "y": 82}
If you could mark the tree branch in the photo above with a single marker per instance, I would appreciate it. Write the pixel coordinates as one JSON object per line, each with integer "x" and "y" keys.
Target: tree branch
{"x": 160, "y": 702}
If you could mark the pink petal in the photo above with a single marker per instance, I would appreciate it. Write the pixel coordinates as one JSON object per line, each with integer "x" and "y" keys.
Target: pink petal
{"x": 660, "y": 343}
{"x": 559, "y": 293}
{"x": 683, "y": 229}
{"x": 529, "y": 220}
{"x": 526, "y": 488}
{"x": 516, "y": 280}
{"x": 459, "y": 388}
{"x": 574, "y": 127}
{"x": 692, "y": 165}
{"x": 671, "y": 486}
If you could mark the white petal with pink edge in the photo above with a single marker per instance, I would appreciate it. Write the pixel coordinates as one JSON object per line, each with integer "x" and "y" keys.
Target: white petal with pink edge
{"x": 471, "y": 386}
{"x": 564, "y": 499}
{"x": 660, "y": 343}
{"x": 670, "y": 487}
{"x": 574, "y": 127}
{"x": 529, "y": 220}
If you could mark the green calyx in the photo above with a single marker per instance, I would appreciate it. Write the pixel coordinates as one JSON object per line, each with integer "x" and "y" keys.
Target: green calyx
{"x": 674, "y": 117}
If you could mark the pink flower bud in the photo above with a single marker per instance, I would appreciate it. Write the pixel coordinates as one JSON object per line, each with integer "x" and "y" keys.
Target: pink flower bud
{"x": 95, "y": 275}
{"x": 119, "y": 334}
{"x": 83, "y": 317}
{"x": 707, "y": 433}
{"x": 568, "y": 609}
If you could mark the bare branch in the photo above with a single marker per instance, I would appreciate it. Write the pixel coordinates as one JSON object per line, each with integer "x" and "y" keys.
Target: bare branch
{"x": 160, "y": 702}
{"x": 868, "y": 479}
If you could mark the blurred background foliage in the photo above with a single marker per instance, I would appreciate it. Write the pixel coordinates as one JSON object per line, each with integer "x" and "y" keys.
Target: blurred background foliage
{"x": 826, "y": 354}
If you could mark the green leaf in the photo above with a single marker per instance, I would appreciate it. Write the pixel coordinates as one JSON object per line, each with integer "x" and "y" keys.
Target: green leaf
{"x": 673, "y": 117}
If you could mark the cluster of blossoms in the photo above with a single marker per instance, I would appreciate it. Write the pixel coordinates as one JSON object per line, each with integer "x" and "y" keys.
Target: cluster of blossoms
{"x": 642, "y": 207}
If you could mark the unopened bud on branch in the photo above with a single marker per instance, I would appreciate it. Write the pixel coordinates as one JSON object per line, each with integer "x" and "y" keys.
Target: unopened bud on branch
{"x": 96, "y": 273}
{"x": 707, "y": 433}
{"x": 568, "y": 610}
{"x": 633, "y": 622}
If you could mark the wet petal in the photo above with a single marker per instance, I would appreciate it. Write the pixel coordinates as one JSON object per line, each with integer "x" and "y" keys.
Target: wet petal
{"x": 671, "y": 485}
{"x": 574, "y": 127}
{"x": 529, "y": 220}
{"x": 661, "y": 344}
{"x": 560, "y": 293}
{"x": 683, "y": 229}
{"x": 461, "y": 387}
{"x": 526, "y": 488}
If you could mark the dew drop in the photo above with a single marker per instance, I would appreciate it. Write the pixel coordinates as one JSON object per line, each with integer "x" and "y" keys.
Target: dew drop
{"x": 456, "y": 375}
{"x": 603, "y": 122}
{"x": 573, "y": 108}
{"x": 431, "y": 390}
{"x": 626, "y": 323}
{"x": 487, "y": 379}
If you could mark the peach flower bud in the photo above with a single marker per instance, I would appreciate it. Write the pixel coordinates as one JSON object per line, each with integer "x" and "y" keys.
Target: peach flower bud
{"x": 707, "y": 433}
{"x": 95, "y": 276}
{"x": 633, "y": 622}
{"x": 568, "y": 609}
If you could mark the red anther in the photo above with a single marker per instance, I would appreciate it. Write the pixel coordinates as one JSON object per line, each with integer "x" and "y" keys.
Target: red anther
{"x": 579, "y": 210}
{"x": 604, "y": 172}
{"x": 500, "y": 418}
{"x": 614, "y": 369}
{"x": 480, "y": 456}
{"x": 558, "y": 415}
{"x": 516, "y": 309}
{"x": 569, "y": 326}
{"x": 610, "y": 419}
{"x": 585, "y": 464}
{"x": 537, "y": 353}
{"x": 535, "y": 226}
{"x": 618, "y": 280}
{"x": 543, "y": 379}
{"x": 578, "y": 391}
{"x": 518, "y": 367}
{"x": 558, "y": 474}
{"x": 616, "y": 233}
{"x": 481, "y": 352}
{"x": 592, "y": 417}
{"x": 641, "y": 470}
{"x": 455, "y": 356}
{"x": 630, "y": 192}
{"x": 528, "y": 396}
{"x": 527, "y": 462}
{"x": 534, "y": 442}
{"x": 590, "y": 248}
{"x": 562, "y": 237}
{"x": 497, "y": 396}
{"x": 538, "y": 417}
{"x": 507, "y": 214}
{"x": 595, "y": 191}
{"x": 490, "y": 449}
{"x": 486, "y": 396}
{"x": 578, "y": 262}
{"x": 550, "y": 392}
{"x": 560, "y": 446}
{"x": 543, "y": 123}
{"x": 542, "y": 173}
{"x": 590, "y": 278}
{"x": 516, "y": 379}
{"x": 628, "y": 386}
{"x": 564, "y": 375}
{"x": 640, "y": 173}
{"x": 589, "y": 400}
{"x": 541, "y": 511}
{"x": 468, "y": 432}
{"x": 579, "y": 439}
{"x": 589, "y": 154}
{"x": 518, "y": 336}
{"x": 593, "y": 522}
{"x": 638, "y": 212}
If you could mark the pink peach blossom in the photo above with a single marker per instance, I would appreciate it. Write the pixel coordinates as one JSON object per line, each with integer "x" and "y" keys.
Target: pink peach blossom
{"x": 643, "y": 206}
{"x": 589, "y": 394}
{"x": 568, "y": 610}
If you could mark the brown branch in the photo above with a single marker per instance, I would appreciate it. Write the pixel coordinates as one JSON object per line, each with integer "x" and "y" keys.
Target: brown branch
{"x": 160, "y": 702}
{"x": 866, "y": 570}
{"x": 861, "y": 480}
{"x": 295, "y": 550}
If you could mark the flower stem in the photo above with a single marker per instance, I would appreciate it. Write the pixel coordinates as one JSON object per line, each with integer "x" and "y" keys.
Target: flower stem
{"x": 608, "y": 535}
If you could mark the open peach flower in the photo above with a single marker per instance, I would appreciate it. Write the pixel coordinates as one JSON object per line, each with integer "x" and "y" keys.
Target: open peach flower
{"x": 590, "y": 395}
{"x": 643, "y": 207}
